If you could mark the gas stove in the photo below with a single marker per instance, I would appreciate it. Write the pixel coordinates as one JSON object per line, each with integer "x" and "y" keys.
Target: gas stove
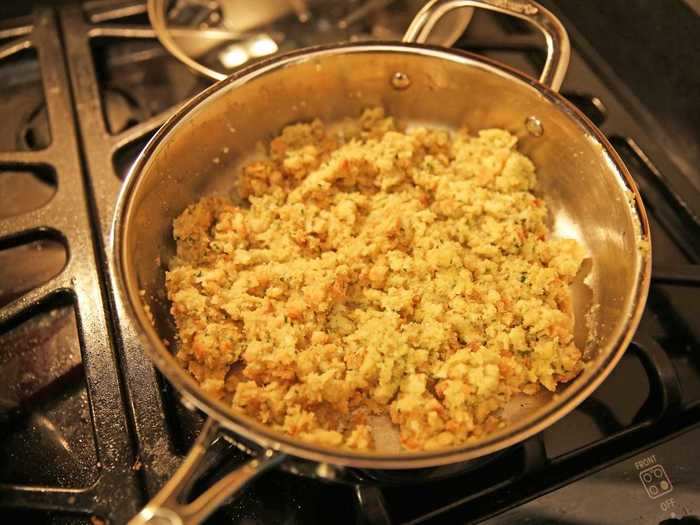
{"x": 89, "y": 430}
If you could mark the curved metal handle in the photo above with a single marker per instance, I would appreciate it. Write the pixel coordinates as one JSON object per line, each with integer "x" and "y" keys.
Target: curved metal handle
{"x": 558, "y": 47}
{"x": 168, "y": 507}
{"x": 156, "y": 16}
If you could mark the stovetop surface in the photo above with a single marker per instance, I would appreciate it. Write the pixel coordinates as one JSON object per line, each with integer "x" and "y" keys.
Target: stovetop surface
{"x": 89, "y": 430}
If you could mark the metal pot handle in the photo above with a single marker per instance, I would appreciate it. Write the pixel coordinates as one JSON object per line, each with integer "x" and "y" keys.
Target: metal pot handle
{"x": 168, "y": 506}
{"x": 558, "y": 47}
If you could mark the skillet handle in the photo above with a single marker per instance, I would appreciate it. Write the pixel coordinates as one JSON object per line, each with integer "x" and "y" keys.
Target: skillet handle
{"x": 558, "y": 47}
{"x": 168, "y": 507}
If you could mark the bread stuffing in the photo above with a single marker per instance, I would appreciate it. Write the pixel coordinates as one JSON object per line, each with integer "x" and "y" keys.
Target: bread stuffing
{"x": 368, "y": 270}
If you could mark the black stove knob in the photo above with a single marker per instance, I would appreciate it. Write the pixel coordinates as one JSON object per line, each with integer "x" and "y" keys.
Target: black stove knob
{"x": 685, "y": 520}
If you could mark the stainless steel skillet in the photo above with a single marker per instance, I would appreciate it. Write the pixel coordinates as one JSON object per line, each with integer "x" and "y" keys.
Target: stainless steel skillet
{"x": 587, "y": 188}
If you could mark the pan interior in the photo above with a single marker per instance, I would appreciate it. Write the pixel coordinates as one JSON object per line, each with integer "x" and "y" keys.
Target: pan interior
{"x": 586, "y": 193}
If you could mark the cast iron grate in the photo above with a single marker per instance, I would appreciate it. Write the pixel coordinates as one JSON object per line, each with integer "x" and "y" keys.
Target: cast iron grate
{"x": 65, "y": 433}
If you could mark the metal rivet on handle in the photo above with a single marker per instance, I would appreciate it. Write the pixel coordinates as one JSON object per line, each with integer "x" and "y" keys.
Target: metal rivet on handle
{"x": 400, "y": 80}
{"x": 534, "y": 126}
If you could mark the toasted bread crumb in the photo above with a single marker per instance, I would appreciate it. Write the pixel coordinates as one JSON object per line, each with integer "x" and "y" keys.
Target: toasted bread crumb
{"x": 376, "y": 271}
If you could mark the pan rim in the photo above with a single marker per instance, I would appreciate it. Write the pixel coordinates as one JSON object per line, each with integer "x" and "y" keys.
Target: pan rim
{"x": 128, "y": 294}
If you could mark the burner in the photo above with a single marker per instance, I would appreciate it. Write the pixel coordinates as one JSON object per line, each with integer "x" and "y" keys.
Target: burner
{"x": 35, "y": 133}
{"x": 139, "y": 80}
{"x": 121, "y": 109}
{"x": 21, "y": 89}
{"x": 125, "y": 156}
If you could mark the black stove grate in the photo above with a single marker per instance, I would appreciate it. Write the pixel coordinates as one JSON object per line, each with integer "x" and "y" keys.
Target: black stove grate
{"x": 103, "y": 484}
{"x": 119, "y": 78}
